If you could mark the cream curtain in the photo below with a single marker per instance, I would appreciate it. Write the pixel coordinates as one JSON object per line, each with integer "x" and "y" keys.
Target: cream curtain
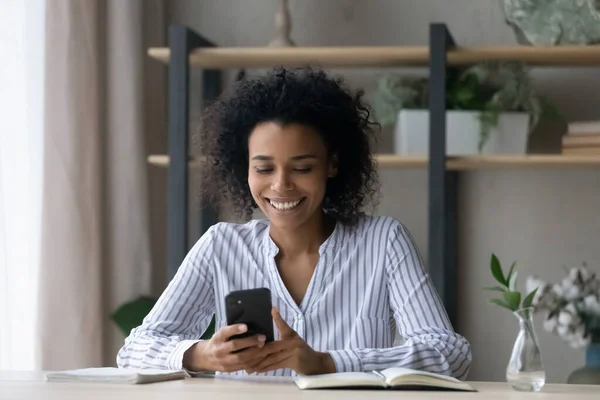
{"x": 95, "y": 251}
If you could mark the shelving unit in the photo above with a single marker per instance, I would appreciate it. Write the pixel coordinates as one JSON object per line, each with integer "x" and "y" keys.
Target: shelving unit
{"x": 452, "y": 163}
{"x": 442, "y": 56}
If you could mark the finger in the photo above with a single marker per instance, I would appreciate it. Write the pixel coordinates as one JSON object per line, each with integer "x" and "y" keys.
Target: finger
{"x": 242, "y": 359}
{"x": 273, "y": 361}
{"x": 244, "y": 343}
{"x": 223, "y": 334}
{"x": 246, "y": 358}
{"x": 251, "y": 357}
{"x": 284, "y": 329}
{"x": 276, "y": 346}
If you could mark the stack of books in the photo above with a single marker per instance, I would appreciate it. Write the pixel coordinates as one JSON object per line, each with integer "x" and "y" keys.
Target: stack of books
{"x": 582, "y": 138}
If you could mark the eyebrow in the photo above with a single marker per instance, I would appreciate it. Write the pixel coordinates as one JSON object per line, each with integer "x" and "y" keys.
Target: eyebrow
{"x": 295, "y": 158}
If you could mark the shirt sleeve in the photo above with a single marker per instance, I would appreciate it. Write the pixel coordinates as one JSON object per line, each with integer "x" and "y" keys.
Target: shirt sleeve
{"x": 179, "y": 317}
{"x": 430, "y": 343}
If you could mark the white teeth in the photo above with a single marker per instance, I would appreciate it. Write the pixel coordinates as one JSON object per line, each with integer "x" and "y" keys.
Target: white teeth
{"x": 285, "y": 206}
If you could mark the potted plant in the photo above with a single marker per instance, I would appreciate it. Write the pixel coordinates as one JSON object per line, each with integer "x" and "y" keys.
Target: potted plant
{"x": 132, "y": 313}
{"x": 492, "y": 108}
{"x": 525, "y": 370}
{"x": 571, "y": 310}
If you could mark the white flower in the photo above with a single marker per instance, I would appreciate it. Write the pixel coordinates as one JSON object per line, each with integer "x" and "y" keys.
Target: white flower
{"x": 592, "y": 304}
{"x": 563, "y": 330}
{"x": 533, "y": 283}
{"x": 571, "y": 309}
{"x": 550, "y": 323}
{"x": 580, "y": 274}
{"x": 565, "y": 318}
{"x": 577, "y": 338}
{"x": 584, "y": 279}
{"x": 574, "y": 274}
{"x": 566, "y": 289}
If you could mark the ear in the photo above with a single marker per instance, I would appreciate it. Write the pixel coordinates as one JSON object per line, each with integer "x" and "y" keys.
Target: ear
{"x": 333, "y": 165}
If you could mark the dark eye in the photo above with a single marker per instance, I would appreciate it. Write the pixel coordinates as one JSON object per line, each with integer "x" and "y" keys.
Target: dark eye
{"x": 303, "y": 170}
{"x": 263, "y": 170}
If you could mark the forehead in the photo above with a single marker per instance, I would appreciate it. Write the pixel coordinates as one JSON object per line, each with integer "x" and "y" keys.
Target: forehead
{"x": 273, "y": 139}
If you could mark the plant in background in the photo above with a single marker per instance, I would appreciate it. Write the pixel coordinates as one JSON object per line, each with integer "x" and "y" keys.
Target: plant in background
{"x": 394, "y": 93}
{"x": 131, "y": 315}
{"x": 490, "y": 87}
{"x": 571, "y": 307}
{"x": 511, "y": 299}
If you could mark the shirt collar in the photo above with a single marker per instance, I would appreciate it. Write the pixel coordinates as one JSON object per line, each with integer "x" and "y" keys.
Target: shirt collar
{"x": 328, "y": 246}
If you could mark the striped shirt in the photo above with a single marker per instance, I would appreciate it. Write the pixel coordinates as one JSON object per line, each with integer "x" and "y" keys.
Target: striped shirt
{"x": 368, "y": 284}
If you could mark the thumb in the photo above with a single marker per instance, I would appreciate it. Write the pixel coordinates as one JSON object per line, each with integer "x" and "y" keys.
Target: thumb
{"x": 285, "y": 332}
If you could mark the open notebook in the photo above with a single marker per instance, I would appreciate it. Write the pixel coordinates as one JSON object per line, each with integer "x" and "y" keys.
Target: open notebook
{"x": 115, "y": 375}
{"x": 391, "y": 378}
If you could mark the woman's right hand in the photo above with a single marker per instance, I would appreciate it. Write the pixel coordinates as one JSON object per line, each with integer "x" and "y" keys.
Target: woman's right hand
{"x": 217, "y": 354}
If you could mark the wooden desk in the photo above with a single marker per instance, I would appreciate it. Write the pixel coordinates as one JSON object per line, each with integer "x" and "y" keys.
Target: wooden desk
{"x": 25, "y": 385}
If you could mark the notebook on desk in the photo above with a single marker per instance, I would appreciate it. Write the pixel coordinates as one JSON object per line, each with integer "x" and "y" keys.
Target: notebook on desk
{"x": 391, "y": 378}
{"x": 115, "y": 375}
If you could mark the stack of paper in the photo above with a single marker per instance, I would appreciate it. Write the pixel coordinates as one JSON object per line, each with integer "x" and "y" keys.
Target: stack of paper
{"x": 115, "y": 375}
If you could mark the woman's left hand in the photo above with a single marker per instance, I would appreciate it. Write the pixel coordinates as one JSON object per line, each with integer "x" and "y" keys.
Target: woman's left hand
{"x": 290, "y": 351}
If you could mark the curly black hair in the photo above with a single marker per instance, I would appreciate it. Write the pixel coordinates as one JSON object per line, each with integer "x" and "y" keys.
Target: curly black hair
{"x": 300, "y": 95}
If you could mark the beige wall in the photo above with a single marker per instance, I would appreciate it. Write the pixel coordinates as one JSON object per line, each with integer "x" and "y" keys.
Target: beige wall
{"x": 541, "y": 218}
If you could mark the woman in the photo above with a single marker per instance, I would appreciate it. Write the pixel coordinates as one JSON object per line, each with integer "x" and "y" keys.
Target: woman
{"x": 295, "y": 144}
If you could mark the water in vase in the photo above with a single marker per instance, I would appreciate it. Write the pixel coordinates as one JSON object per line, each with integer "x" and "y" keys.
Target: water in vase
{"x": 525, "y": 370}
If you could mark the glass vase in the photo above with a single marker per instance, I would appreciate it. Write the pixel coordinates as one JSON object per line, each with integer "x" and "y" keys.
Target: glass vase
{"x": 525, "y": 370}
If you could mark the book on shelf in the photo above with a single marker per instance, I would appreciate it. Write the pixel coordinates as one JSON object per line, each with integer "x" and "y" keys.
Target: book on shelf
{"x": 583, "y": 128}
{"x": 587, "y": 150}
{"x": 581, "y": 140}
{"x": 391, "y": 378}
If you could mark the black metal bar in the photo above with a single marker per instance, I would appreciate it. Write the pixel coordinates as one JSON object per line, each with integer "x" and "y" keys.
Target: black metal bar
{"x": 211, "y": 88}
{"x": 442, "y": 183}
{"x": 181, "y": 41}
{"x": 177, "y": 202}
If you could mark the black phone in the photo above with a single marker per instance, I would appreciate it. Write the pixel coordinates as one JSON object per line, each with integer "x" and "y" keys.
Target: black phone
{"x": 253, "y": 308}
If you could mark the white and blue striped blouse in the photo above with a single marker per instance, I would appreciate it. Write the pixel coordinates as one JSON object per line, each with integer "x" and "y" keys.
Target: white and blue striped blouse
{"x": 368, "y": 283}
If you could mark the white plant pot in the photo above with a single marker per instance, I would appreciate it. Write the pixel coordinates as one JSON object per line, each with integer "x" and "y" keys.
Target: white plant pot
{"x": 509, "y": 136}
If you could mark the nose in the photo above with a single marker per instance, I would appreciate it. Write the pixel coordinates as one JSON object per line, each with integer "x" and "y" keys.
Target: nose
{"x": 282, "y": 183}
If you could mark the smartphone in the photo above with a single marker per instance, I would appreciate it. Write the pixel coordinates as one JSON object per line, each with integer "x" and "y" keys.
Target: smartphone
{"x": 253, "y": 308}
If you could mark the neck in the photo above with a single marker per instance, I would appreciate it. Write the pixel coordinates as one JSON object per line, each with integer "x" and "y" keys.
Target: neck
{"x": 305, "y": 239}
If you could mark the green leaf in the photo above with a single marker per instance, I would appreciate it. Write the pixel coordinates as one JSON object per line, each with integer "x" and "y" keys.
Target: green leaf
{"x": 497, "y": 270}
{"x": 513, "y": 299}
{"x": 495, "y": 289}
{"x": 131, "y": 314}
{"x": 529, "y": 299}
{"x": 510, "y": 271}
{"x": 512, "y": 282}
{"x": 500, "y": 302}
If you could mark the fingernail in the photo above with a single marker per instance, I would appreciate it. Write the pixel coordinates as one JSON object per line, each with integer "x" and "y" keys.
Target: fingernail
{"x": 262, "y": 338}
{"x": 243, "y": 328}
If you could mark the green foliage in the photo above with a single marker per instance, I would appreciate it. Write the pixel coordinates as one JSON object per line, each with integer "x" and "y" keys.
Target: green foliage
{"x": 511, "y": 297}
{"x": 131, "y": 315}
{"x": 395, "y": 93}
{"x": 489, "y": 87}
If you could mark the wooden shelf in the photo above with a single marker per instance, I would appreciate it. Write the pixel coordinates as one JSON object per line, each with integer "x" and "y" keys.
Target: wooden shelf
{"x": 380, "y": 56}
{"x": 264, "y": 57}
{"x": 458, "y": 163}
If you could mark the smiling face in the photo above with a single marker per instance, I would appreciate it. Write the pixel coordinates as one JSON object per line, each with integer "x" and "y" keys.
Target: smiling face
{"x": 288, "y": 172}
